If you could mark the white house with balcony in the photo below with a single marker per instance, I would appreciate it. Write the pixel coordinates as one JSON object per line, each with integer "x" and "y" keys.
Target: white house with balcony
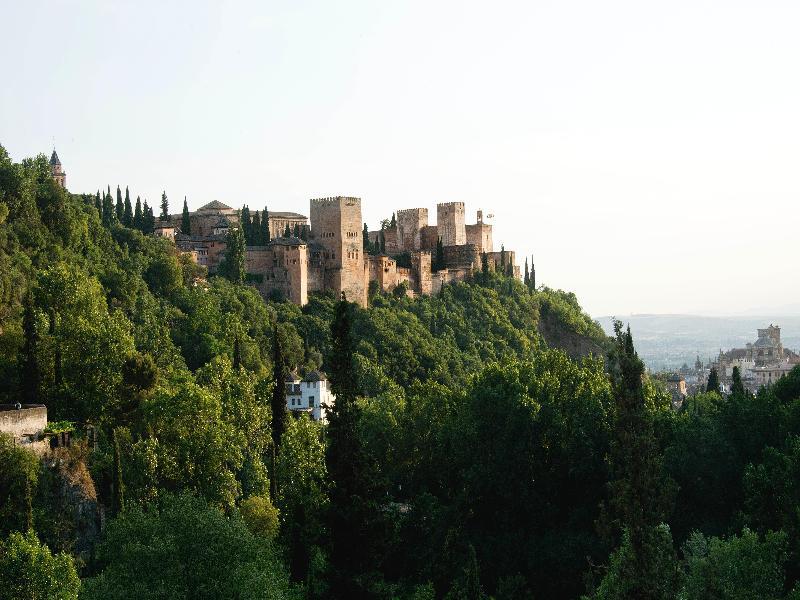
{"x": 311, "y": 395}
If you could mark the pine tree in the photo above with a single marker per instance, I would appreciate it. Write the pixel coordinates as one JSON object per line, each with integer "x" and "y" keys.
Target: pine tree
{"x": 737, "y": 386}
{"x": 119, "y": 207}
{"x": 265, "y": 235}
{"x": 118, "y": 498}
{"x": 29, "y": 372}
{"x": 138, "y": 220}
{"x": 256, "y": 240}
{"x": 186, "y": 222}
{"x": 287, "y": 232}
{"x": 234, "y": 266}
{"x": 527, "y": 279}
{"x": 164, "y": 207}
{"x": 127, "y": 213}
{"x": 713, "y": 381}
{"x": 246, "y": 224}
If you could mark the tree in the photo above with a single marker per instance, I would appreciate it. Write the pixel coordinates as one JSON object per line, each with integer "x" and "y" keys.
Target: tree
{"x": 148, "y": 219}
{"x": 257, "y": 239}
{"x": 29, "y": 570}
{"x": 265, "y": 235}
{"x": 164, "y": 207}
{"x": 533, "y": 276}
{"x": 365, "y": 240}
{"x": 737, "y": 386}
{"x": 234, "y": 265}
{"x": 439, "y": 259}
{"x": 127, "y": 213}
{"x": 118, "y": 497}
{"x": 640, "y": 493}
{"x": 108, "y": 208}
{"x": 485, "y": 265}
{"x": 287, "y": 232}
{"x": 29, "y": 372}
{"x": 297, "y": 230}
{"x": 260, "y": 516}
{"x": 186, "y": 222}
{"x": 119, "y": 208}
{"x": 502, "y": 258}
{"x": 278, "y": 404}
{"x": 713, "y": 381}
{"x": 138, "y": 218}
{"x": 393, "y": 222}
{"x": 246, "y": 224}
{"x": 527, "y": 279}
{"x": 18, "y": 475}
{"x": 98, "y": 204}
{"x": 181, "y": 547}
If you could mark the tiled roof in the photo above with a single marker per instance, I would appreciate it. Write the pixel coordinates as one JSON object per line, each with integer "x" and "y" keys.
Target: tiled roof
{"x": 54, "y": 158}
{"x": 215, "y": 205}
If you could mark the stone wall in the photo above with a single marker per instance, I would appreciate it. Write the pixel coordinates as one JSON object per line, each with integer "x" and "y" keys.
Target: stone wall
{"x": 446, "y": 276}
{"x": 428, "y": 237}
{"x": 24, "y": 425}
{"x": 283, "y": 266}
{"x": 450, "y": 221}
{"x": 421, "y": 272}
{"x": 464, "y": 255}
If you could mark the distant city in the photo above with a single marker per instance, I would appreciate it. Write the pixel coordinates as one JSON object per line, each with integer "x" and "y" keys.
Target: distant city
{"x": 668, "y": 342}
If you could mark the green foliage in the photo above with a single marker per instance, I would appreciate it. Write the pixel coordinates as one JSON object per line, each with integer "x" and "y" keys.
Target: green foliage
{"x": 183, "y": 548}
{"x": 19, "y": 472}
{"x": 29, "y": 570}
{"x": 260, "y": 516}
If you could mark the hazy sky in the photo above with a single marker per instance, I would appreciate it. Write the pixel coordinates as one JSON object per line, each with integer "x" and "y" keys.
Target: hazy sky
{"x": 646, "y": 154}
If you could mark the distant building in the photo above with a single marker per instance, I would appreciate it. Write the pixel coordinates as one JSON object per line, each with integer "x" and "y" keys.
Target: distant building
{"x": 25, "y": 423}
{"x": 311, "y": 395}
{"x": 59, "y": 175}
{"x": 164, "y": 229}
{"x": 676, "y": 385}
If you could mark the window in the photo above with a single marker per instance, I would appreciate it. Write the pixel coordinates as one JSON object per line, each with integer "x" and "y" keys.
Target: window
{"x": 311, "y": 401}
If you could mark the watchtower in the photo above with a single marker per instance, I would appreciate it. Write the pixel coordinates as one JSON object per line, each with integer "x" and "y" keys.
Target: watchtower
{"x": 59, "y": 175}
{"x": 450, "y": 223}
{"x": 410, "y": 222}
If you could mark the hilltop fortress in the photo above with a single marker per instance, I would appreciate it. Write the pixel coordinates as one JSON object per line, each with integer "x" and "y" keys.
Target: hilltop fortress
{"x": 330, "y": 253}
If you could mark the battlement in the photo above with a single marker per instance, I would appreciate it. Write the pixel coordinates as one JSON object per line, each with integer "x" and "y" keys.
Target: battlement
{"x": 459, "y": 206}
{"x": 413, "y": 212}
{"x": 336, "y": 201}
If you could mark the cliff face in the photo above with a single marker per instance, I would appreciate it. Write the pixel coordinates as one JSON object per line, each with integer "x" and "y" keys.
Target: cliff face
{"x": 558, "y": 334}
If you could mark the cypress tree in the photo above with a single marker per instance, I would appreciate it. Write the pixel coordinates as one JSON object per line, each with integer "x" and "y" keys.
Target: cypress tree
{"x": 737, "y": 386}
{"x": 382, "y": 248}
{"x": 234, "y": 265}
{"x": 98, "y": 204}
{"x": 393, "y": 222}
{"x": 29, "y": 372}
{"x": 246, "y": 224}
{"x": 164, "y": 206}
{"x": 265, "y": 235}
{"x": 119, "y": 208}
{"x": 257, "y": 240}
{"x": 502, "y": 258}
{"x": 349, "y": 516}
{"x": 365, "y": 240}
{"x": 118, "y": 498}
{"x": 278, "y": 405}
{"x": 713, "y": 381}
{"x": 439, "y": 255}
{"x": 138, "y": 221}
{"x": 186, "y": 222}
{"x": 148, "y": 219}
{"x": 127, "y": 215}
{"x": 527, "y": 278}
{"x": 237, "y": 354}
{"x": 108, "y": 209}
{"x": 485, "y": 265}
{"x": 297, "y": 230}
{"x": 640, "y": 494}
{"x": 287, "y": 232}
{"x": 533, "y": 275}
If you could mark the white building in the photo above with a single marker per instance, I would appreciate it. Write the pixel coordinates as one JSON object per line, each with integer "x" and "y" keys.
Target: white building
{"x": 311, "y": 395}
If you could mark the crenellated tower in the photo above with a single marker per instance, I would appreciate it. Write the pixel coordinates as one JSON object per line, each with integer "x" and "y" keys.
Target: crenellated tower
{"x": 450, "y": 223}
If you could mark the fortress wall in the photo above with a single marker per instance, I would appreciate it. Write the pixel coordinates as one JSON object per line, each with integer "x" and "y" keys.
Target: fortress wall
{"x": 410, "y": 222}
{"x": 480, "y": 236}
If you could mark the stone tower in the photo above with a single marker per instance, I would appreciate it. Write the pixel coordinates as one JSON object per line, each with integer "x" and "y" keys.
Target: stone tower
{"x": 59, "y": 175}
{"x": 336, "y": 227}
{"x": 450, "y": 223}
{"x": 409, "y": 225}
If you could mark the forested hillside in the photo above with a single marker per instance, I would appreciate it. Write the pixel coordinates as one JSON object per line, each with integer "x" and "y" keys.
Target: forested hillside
{"x": 466, "y": 456}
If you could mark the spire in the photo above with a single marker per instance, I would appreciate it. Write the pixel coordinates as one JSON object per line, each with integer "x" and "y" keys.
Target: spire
{"x": 54, "y": 158}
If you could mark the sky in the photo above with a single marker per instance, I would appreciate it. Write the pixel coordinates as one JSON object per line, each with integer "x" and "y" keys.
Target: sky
{"x": 644, "y": 154}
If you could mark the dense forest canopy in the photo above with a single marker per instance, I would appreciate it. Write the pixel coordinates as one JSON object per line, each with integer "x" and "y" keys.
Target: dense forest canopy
{"x": 488, "y": 441}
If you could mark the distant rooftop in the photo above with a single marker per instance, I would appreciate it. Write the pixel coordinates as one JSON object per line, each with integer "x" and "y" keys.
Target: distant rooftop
{"x": 215, "y": 205}
{"x": 286, "y": 215}
{"x": 54, "y": 158}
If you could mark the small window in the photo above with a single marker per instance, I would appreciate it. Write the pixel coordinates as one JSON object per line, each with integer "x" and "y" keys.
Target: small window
{"x": 311, "y": 401}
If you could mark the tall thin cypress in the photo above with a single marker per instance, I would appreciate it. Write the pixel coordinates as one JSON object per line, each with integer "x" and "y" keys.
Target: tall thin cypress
{"x": 297, "y": 230}
{"x": 119, "y": 207}
{"x": 255, "y": 228}
{"x": 713, "y": 381}
{"x": 287, "y": 232}
{"x": 237, "y": 354}
{"x": 186, "y": 222}
{"x": 246, "y": 224}
{"x": 29, "y": 372}
{"x": 98, "y": 204}
{"x": 138, "y": 221}
{"x": 164, "y": 207}
{"x": 527, "y": 279}
{"x": 127, "y": 213}
{"x": 533, "y": 275}
{"x": 118, "y": 498}
{"x": 108, "y": 209}
{"x": 265, "y": 235}
{"x": 737, "y": 385}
